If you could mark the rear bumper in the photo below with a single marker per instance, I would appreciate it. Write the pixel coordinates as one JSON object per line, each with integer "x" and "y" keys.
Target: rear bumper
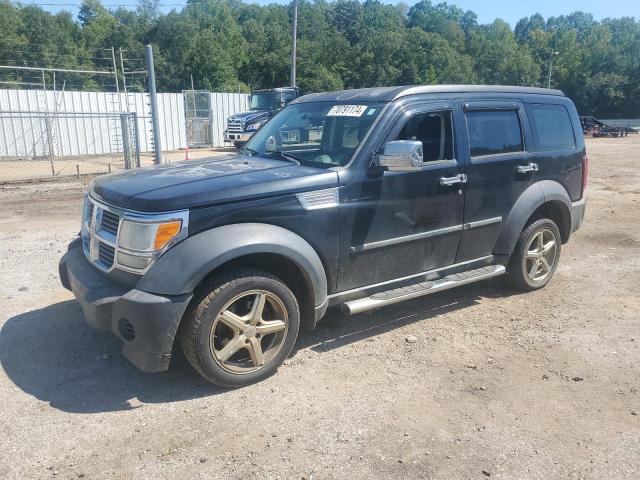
{"x": 146, "y": 323}
{"x": 577, "y": 213}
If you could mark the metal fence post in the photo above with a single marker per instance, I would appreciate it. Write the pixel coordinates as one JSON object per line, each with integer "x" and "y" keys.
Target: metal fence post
{"x": 126, "y": 140}
{"x": 136, "y": 137}
{"x": 155, "y": 120}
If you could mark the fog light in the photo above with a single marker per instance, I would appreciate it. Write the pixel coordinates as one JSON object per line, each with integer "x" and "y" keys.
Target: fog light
{"x": 127, "y": 332}
{"x": 133, "y": 261}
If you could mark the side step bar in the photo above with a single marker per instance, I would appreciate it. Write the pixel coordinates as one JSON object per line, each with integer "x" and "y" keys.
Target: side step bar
{"x": 401, "y": 294}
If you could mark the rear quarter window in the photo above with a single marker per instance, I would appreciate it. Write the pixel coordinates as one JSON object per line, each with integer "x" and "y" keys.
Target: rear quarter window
{"x": 551, "y": 125}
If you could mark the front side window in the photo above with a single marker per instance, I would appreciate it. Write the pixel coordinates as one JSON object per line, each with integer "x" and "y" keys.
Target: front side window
{"x": 551, "y": 127}
{"x": 493, "y": 132}
{"x": 434, "y": 130}
{"x": 320, "y": 134}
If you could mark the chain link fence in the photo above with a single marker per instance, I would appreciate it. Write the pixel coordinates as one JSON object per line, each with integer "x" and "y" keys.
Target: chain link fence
{"x": 197, "y": 111}
{"x": 45, "y": 145}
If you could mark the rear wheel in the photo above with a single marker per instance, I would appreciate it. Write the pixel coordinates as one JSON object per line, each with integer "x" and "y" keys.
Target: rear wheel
{"x": 241, "y": 328}
{"x": 238, "y": 145}
{"x": 535, "y": 258}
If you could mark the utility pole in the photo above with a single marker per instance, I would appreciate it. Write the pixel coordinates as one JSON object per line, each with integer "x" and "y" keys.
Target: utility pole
{"x": 550, "y": 67}
{"x": 294, "y": 36}
{"x": 153, "y": 98}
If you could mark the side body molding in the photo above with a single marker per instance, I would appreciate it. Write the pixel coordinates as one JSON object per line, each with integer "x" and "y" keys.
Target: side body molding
{"x": 534, "y": 196}
{"x": 184, "y": 266}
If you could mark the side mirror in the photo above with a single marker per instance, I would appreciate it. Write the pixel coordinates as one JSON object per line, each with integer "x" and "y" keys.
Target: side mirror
{"x": 402, "y": 156}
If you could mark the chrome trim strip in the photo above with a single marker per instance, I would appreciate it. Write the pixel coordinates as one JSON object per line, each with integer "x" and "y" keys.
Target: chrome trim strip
{"x": 408, "y": 238}
{"x": 408, "y": 277}
{"x": 482, "y": 223}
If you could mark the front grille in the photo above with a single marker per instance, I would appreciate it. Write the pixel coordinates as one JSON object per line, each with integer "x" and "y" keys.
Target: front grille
{"x": 110, "y": 222}
{"x": 235, "y": 126}
{"x": 100, "y": 234}
{"x": 89, "y": 212}
{"x": 106, "y": 254}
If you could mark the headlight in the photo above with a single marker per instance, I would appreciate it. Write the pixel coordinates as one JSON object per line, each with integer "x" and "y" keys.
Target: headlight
{"x": 140, "y": 242}
{"x": 147, "y": 237}
{"x": 254, "y": 126}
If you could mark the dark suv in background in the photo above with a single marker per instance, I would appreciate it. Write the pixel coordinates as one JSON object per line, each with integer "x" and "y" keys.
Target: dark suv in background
{"x": 263, "y": 104}
{"x": 358, "y": 198}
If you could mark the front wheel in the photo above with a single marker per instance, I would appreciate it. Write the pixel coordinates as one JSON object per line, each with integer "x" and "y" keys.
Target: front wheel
{"x": 241, "y": 327}
{"x": 536, "y": 256}
{"x": 238, "y": 145}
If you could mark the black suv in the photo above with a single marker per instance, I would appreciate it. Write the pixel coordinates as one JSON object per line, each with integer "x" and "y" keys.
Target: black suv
{"x": 358, "y": 198}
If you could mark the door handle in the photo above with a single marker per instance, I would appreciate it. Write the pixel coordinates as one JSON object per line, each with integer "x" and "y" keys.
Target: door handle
{"x": 448, "y": 181}
{"x": 530, "y": 167}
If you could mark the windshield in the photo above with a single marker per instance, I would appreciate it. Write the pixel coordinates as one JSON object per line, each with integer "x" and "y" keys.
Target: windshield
{"x": 263, "y": 101}
{"x": 322, "y": 134}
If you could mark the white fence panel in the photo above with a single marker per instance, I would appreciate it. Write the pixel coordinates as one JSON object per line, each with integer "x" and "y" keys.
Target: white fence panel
{"x": 74, "y": 135}
{"x": 224, "y": 105}
{"x": 172, "y": 124}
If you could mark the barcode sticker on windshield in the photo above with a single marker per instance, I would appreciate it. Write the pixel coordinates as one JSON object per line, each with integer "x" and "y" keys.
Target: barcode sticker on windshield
{"x": 347, "y": 111}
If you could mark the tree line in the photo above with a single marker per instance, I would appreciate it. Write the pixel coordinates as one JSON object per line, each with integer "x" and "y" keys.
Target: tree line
{"x": 228, "y": 45}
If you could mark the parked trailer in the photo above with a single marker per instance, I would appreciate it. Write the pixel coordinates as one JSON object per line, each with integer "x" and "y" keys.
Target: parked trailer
{"x": 596, "y": 128}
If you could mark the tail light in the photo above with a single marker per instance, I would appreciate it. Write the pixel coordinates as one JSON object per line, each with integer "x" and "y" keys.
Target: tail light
{"x": 585, "y": 171}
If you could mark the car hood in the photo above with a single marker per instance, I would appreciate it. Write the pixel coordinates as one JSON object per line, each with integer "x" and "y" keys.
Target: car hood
{"x": 208, "y": 181}
{"x": 249, "y": 116}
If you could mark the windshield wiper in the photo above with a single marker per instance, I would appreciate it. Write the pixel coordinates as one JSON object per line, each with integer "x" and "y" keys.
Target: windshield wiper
{"x": 287, "y": 156}
{"x": 283, "y": 155}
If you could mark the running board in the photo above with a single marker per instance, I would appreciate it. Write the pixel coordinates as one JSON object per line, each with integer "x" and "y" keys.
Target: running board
{"x": 401, "y": 294}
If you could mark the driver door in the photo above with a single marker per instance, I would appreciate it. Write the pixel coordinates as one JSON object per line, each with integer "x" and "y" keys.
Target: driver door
{"x": 403, "y": 223}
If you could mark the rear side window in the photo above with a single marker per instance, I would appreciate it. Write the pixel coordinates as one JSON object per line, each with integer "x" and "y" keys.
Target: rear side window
{"x": 492, "y": 132}
{"x": 552, "y": 129}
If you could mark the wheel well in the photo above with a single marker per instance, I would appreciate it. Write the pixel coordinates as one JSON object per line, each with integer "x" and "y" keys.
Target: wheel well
{"x": 557, "y": 212}
{"x": 287, "y": 271}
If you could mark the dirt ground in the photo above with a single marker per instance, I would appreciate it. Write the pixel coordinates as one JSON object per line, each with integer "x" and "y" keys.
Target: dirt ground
{"x": 473, "y": 383}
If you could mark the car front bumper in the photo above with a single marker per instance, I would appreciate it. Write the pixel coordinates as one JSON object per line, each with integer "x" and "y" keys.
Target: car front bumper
{"x": 237, "y": 137}
{"x": 145, "y": 322}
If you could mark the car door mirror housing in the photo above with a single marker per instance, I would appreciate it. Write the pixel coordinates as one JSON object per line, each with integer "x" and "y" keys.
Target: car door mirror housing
{"x": 402, "y": 156}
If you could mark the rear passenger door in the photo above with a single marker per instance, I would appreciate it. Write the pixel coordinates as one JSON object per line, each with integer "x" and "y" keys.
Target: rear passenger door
{"x": 499, "y": 167}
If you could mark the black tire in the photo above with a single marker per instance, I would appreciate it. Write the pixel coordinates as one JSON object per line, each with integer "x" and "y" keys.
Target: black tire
{"x": 238, "y": 145}
{"x": 211, "y": 298}
{"x": 518, "y": 274}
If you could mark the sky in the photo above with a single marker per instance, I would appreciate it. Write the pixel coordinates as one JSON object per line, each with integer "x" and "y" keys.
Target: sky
{"x": 487, "y": 11}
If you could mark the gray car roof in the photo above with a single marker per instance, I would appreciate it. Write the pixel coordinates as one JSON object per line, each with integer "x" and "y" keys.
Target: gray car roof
{"x": 387, "y": 94}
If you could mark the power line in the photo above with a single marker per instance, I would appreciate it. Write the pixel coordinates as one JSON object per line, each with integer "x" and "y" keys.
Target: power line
{"x": 49, "y": 69}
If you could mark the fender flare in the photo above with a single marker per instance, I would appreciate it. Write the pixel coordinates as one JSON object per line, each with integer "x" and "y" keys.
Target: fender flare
{"x": 183, "y": 267}
{"x": 527, "y": 203}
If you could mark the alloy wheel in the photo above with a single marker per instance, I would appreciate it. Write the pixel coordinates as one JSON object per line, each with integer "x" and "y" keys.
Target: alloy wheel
{"x": 541, "y": 255}
{"x": 249, "y": 331}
